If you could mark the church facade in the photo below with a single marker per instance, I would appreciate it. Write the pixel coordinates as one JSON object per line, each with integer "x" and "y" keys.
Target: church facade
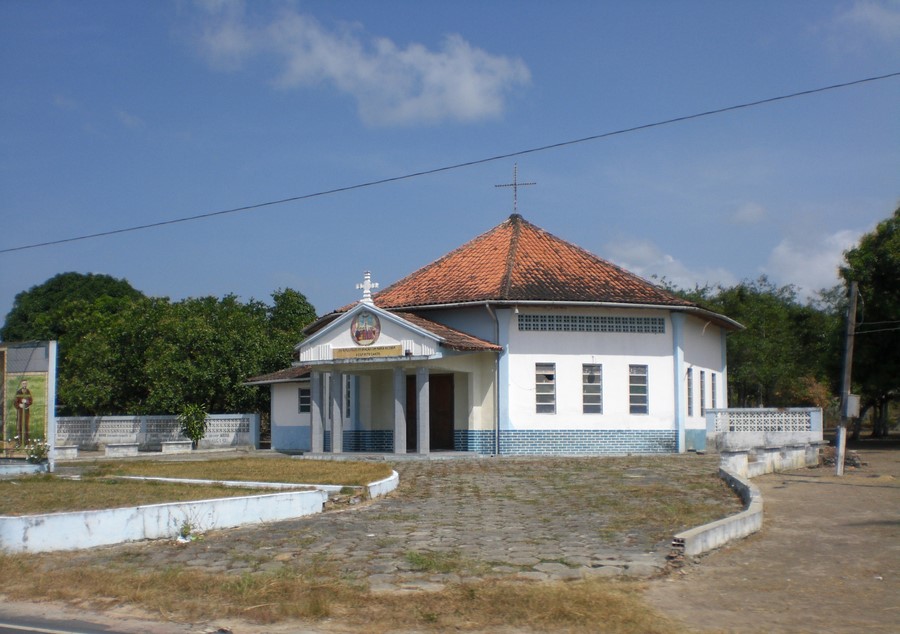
{"x": 517, "y": 342}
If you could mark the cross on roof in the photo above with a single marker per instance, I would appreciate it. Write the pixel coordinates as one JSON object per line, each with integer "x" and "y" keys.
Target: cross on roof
{"x": 366, "y": 287}
{"x": 515, "y": 185}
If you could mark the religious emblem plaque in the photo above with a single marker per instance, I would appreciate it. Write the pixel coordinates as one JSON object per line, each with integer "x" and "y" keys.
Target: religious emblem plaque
{"x": 365, "y": 328}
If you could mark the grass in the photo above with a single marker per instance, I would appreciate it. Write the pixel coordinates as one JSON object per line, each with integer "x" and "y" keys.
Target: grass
{"x": 319, "y": 592}
{"x": 99, "y": 489}
{"x": 49, "y": 494}
{"x": 252, "y": 469}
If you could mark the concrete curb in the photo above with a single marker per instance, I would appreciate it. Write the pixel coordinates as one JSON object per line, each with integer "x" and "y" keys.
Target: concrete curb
{"x": 715, "y": 534}
{"x": 87, "y": 529}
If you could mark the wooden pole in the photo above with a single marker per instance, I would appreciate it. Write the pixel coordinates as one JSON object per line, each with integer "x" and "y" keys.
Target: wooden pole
{"x": 841, "y": 439}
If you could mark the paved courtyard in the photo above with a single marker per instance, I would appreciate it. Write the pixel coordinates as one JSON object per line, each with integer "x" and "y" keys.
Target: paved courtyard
{"x": 452, "y": 520}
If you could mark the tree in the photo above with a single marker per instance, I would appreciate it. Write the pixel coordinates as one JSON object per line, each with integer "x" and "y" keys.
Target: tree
{"x": 290, "y": 313}
{"x": 875, "y": 265}
{"x": 786, "y": 353}
{"x": 40, "y": 312}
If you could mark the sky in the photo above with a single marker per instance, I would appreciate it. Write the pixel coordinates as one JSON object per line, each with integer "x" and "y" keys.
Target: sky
{"x": 125, "y": 113}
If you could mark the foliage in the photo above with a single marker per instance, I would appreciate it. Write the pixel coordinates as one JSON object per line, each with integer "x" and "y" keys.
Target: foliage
{"x": 36, "y": 451}
{"x": 193, "y": 422}
{"x": 875, "y": 265}
{"x": 39, "y": 313}
{"x": 787, "y": 353}
{"x": 121, "y": 352}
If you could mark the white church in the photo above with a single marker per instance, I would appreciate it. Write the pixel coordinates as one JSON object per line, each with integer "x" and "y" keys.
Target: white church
{"x": 517, "y": 342}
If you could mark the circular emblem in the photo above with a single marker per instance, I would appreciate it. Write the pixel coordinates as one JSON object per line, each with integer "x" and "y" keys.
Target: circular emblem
{"x": 365, "y": 328}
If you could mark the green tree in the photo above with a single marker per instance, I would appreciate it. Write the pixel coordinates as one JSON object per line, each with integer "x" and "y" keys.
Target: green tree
{"x": 290, "y": 313}
{"x": 40, "y": 312}
{"x": 875, "y": 265}
{"x": 786, "y": 353}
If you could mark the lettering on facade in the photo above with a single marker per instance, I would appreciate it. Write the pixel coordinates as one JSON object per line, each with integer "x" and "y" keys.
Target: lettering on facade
{"x": 369, "y": 352}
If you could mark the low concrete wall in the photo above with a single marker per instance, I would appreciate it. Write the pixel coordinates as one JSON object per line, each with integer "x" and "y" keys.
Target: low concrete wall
{"x": 149, "y": 432}
{"x": 715, "y": 534}
{"x": 87, "y": 529}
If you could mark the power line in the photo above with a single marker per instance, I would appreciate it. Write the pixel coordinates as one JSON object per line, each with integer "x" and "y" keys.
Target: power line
{"x": 447, "y": 168}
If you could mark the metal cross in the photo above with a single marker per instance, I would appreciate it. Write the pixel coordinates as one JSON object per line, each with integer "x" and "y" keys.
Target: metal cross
{"x": 367, "y": 286}
{"x": 515, "y": 185}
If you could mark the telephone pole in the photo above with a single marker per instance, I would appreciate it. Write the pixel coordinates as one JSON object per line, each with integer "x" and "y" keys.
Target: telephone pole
{"x": 841, "y": 438}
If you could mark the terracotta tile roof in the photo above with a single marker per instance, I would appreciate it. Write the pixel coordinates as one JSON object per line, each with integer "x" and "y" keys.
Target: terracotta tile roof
{"x": 281, "y": 376}
{"x": 452, "y": 339}
{"x": 517, "y": 261}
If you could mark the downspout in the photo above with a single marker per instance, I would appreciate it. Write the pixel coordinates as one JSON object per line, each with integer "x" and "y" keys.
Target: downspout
{"x": 496, "y": 380}
{"x": 678, "y": 372}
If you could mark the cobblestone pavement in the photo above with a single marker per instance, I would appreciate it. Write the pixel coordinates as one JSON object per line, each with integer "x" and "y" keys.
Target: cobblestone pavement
{"x": 453, "y": 520}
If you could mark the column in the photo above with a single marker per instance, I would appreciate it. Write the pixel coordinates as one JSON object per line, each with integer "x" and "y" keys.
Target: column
{"x": 423, "y": 440}
{"x": 399, "y": 410}
{"x": 337, "y": 414}
{"x": 316, "y": 426}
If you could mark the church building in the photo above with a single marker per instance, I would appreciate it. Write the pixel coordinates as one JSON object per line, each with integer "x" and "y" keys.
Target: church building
{"x": 517, "y": 342}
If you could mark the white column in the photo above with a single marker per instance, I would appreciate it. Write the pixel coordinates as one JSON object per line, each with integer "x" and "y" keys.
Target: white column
{"x": 399, "y": 410}
{"x": 337, "y": 414}
{"x": 423, "y": 440}
{"x": 316, "y": 426}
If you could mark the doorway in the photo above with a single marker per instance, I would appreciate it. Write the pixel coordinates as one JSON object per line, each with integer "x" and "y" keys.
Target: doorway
{"x": 440, "y": 412}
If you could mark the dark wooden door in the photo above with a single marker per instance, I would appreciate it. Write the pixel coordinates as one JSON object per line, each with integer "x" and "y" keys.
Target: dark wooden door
{"x": 440, "y": 412}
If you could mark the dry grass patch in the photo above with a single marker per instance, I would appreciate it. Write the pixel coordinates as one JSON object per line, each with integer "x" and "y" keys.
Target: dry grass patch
{"x": 319, "y": 591}
{"x": 251, "y": 469}
{"x": 49, "y": 494}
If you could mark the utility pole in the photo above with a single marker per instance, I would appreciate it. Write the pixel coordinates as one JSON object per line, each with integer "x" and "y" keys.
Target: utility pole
{"x": 841, "y": 439}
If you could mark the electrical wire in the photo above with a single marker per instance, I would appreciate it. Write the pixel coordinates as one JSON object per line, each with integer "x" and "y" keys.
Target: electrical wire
{"x": 447, "y": 168}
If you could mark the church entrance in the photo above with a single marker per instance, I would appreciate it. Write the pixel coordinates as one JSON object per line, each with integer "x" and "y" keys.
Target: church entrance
{"x": 440, "y": 412}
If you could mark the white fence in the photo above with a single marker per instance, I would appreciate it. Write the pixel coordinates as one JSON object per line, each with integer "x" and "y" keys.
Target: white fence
{"x": 149, "y": 432}
{"x": 752, "y": 428}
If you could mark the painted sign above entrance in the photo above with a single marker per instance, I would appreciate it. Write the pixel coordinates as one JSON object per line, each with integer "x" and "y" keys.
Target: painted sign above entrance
{"x": 365, "y": 328}
{"x": 368, "y": 353}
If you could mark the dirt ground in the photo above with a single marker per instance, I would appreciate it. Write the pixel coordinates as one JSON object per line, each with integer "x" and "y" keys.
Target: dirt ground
{"x": 827, "y": 559}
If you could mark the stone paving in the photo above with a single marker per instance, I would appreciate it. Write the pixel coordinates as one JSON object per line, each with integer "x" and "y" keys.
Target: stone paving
{"x": 458, "y": 520}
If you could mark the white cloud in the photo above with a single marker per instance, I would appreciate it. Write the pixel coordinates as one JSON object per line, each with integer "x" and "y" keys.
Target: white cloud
{"x": 129, "y": 120}
{"x": 749, "y": 214}
{"x": 812, "y": 264}
{"x": 647, "y": 260}
{"x": 391, "y": 84}
{"x": 881, "y": 19}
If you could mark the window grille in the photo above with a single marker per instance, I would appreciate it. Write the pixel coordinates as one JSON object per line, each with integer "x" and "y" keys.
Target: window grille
{"x": 638, "y": 389}
{"x": 592, "y": 323}
{"x": 545, "y": 388}
{"x": 592, "y": 388}
{"x": 304, "y": 400}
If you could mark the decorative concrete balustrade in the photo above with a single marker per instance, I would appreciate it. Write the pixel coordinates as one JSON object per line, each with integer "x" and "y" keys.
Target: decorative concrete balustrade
{"x": 152, "y": 433}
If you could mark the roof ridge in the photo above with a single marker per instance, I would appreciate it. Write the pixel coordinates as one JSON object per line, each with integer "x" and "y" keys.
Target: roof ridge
{"x": 516, "y": 221}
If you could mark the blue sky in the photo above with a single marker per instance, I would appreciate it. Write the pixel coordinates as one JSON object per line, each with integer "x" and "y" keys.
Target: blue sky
{"x": 123, "y": 113}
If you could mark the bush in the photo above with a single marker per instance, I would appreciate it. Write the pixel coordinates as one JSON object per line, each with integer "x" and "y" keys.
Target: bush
{"x": 193, "y": 422}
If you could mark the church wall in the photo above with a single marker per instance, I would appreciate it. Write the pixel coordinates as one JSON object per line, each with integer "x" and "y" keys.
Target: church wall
{"x": 703, "y": 342}
{"x": 290, "y": 429}
{"x": 569, "y": 429}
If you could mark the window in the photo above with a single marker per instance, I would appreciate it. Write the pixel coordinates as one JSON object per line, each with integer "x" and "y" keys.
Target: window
{"x": 638, "y": 394}
{"x": 304, "y": 400}
{"x": 592, "y": 388}
{"x": 545, "y": 388}
{"x": 712, "y": 386}
{"x": 592, "y": 323}
{"x": 690, "y": 392}
{"x": 702, "y": 392}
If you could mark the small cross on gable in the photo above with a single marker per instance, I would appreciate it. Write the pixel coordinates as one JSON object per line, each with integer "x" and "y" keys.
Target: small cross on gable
{"x": 515, "y": 185}
{"x": 366, "y": 287}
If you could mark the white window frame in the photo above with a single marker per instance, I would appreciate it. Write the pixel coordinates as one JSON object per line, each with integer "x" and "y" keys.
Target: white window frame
{"x": 545, "y": 388}
{"x": 638, "y": 399}
{"x": 591, "y": 388}
{"x": 304, "y": 400}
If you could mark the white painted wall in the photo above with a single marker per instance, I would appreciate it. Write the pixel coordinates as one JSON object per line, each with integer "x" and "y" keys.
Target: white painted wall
{"x": 703, "y": 352}
{"x": 569, "y": 350}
